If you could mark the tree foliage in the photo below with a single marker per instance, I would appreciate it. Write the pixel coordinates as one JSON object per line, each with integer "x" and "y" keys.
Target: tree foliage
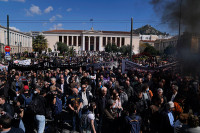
{"x": 71, "y": 51}
{"x": 49, "y": 50}
{"x": 125, "y": 49}
{"x": 62, "y": 47}
{"x": 39, "y": 43}
{"x": 111, "y": 48}
{"x": 170, "y": 50}
{"x": 150, "y": 50}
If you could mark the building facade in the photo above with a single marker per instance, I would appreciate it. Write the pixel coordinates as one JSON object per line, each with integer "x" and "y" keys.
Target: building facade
{"x": 161, "y": 44}
{"x": 90, "y": 40}
{"x": 18, "y": 41}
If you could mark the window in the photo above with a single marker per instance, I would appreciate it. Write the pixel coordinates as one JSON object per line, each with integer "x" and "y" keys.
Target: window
{"x": 79, "y": 41}
{"x": 70, "y": 40}
{"x": 60, "y": 38}
{"x": 109, "y": 40}
{"x": 118, "y": 42}
{"x": 113, "y": 40}
{"x": 86, "y": 43}
{"x": 97, "y": 43}
{"x": 104, "y": 41}
{"x": 123, "y": 41}
{"x": 74, "y": 37}
{"x": 65, "y": 39}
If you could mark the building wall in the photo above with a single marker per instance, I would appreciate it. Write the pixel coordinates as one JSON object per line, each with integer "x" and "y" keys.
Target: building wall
{"x": 161, "y": 44}
{"x": 92, "y": 38}
{"x": 16, "y": 39}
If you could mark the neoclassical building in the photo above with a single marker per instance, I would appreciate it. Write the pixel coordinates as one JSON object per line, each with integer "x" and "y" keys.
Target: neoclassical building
{"x": 90, "y": 40}
{"x": 19, "y": 41}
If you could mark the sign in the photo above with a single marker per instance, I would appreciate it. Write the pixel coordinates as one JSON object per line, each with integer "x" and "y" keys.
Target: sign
{"x": 8, "y": 57}
{"x": 7, "y": 48}
{"x": 7, "y": 53}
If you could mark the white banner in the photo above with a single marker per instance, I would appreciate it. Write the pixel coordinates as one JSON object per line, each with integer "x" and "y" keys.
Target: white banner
{"x": 105, "y": 64}
{"x": 3, "y": 66}
{"x": 23, "y": 62}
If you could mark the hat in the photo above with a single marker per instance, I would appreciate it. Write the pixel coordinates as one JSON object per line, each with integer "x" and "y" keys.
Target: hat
{"x": 26, "y": 87}
{"x": 170, "y": 104}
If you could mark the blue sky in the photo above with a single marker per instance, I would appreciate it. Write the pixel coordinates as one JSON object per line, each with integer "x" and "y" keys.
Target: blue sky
{"x": 44, "y": 15}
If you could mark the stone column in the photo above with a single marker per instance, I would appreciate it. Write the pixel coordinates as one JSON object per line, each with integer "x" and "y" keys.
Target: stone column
{"x": 77, "y": 41}
{"x": 72, "y": 40}
{"x": 120, "y": 42}
{"x": 67, "y": 41}
{"x": 83, "y": 43}
{"x": 95, "y": 49}
{"x": 88, "y": 43}
{"x": 63, "y": 39}
{"x": 100, "y": 43}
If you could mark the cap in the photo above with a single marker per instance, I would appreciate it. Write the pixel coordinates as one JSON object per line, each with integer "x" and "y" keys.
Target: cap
{"x": 26, "y": 87}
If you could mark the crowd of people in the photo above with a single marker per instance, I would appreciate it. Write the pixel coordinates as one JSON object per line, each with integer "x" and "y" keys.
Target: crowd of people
{"x": 99, "y": 101}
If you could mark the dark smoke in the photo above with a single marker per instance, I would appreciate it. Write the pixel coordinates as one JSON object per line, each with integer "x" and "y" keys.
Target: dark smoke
{"x": 188, "y": 11}
{"x": 170, "y": 13}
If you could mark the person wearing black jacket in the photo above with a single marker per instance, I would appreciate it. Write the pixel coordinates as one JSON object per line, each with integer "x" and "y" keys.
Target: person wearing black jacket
{"x": 40, "y": 110}
{"x": 101, "y": 103}
{"x": 6, "y": 107}
{"x": 5, "y": 125}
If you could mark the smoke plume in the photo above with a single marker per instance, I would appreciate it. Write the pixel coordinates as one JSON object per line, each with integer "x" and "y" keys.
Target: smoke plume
{"x": 172, "y": 11}
{"x": 187, "y": 12}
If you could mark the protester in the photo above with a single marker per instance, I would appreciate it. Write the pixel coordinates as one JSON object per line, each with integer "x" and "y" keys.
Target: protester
{"x": 67, "y": 86}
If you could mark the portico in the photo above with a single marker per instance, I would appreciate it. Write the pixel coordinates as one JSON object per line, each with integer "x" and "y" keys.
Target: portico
{"x": 90, "y": 40}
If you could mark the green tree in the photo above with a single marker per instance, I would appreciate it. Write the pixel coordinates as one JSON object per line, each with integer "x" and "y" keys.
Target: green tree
{"x": 39, "y": 43}
{"x": 125, "y": 49}
{"x": 71, "y": 51}
{"x": 114, "y": 48}
{"x": 150, "y": 50}
{"x": 170, "y": 50}
{"x": 62, "y": 47}
{"x": 49, "y": 50}
{"x": 108, "y": 48}
{"x": 111, "y": 48}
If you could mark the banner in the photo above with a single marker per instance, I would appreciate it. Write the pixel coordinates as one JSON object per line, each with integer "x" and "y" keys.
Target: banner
{"x": 105, "y": 64}
{"x": 3, "y": 66}
{"x": 23, "y": 62}
{"x": 129, "y": 65}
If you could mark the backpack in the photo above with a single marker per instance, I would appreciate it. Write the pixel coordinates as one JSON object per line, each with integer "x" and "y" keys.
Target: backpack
{"x": 134, "y": 124}
{"x": 84, "y": 121}
{"x": 34, "y": 106}
{"x": 58, "y": 106}
{"x": 27, "y": 100}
